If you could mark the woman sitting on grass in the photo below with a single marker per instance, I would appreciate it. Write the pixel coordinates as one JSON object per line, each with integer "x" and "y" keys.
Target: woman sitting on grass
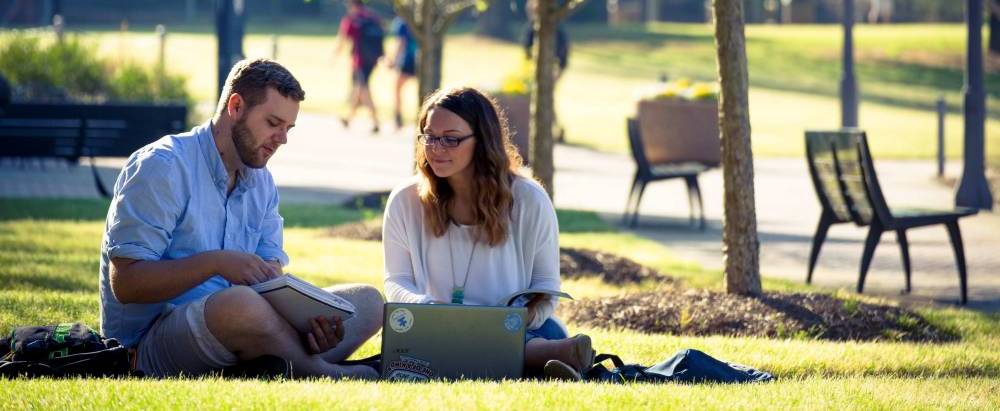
{"x": 468, "y": 229}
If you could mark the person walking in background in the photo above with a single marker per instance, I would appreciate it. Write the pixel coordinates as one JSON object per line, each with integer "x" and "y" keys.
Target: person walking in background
{"x": 994, "y": 27}
{"x": 363, "y": 29}
{"x": 405, "y": 61}
{"x": 880, "y": 11}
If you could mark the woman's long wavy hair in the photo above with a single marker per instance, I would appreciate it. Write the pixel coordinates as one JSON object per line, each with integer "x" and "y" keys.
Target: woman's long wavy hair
{"x": 495, "y": 164}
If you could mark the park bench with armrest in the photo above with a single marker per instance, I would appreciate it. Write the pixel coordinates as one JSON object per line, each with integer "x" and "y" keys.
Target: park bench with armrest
{"x": 843, "y": 174}
{"x": 69, "y": 131}
{"x": 666, "y": 157}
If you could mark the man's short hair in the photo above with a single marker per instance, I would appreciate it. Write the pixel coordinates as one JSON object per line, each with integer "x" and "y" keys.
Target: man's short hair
{"x": 251, "y": 79}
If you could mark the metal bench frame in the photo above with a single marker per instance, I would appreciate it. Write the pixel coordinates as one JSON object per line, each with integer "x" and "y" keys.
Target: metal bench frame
{"x": 843, "y": 174}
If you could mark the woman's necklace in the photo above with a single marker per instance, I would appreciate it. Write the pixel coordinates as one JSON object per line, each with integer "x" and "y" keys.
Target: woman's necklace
{"x": 458, "y": 293}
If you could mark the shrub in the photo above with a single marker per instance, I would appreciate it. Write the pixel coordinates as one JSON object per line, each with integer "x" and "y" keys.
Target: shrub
{"x": 71, "y": 70}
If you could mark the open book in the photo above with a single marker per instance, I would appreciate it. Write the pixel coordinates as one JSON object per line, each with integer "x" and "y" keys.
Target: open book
{"x": 521, "y": 298}
{"x": 299, "y": 302}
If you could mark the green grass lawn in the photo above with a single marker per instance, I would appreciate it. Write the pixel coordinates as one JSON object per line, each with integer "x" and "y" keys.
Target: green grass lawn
{"x": 49, "y": 252}
{"x": 794, "y": 75}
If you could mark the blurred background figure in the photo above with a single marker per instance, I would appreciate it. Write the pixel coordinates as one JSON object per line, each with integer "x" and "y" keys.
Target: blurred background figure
{"x": 562, "y": 53}
{"x": 994, "y": 27}
{"x": 880, "y": 11}
{"x": 363, "y": 29}
{"x": 405, "y": 62}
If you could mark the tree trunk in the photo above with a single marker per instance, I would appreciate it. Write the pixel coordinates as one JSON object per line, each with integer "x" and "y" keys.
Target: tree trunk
{"x": 741, "y": 247}
{"x": 429, "y": 65}
{"x": 429, "y": 55}
{"x": 542, "y": 104}
{"x": 496, "y": 21}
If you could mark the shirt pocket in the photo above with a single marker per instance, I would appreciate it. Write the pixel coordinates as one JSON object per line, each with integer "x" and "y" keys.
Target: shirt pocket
{"x": 250, "y": 240}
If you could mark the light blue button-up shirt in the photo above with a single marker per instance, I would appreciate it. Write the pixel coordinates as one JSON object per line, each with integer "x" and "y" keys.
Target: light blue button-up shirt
{"x": 170, "y": 203}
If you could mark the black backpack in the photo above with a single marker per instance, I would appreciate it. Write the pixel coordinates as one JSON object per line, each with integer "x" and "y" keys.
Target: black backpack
{"x": 64, "y": 350}
{"x": 370, "y": 39}
{"x": 686, "y": 366}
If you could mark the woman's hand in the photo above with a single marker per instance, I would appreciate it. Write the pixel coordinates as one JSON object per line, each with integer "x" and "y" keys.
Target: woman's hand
{"x": 532, "y": 306}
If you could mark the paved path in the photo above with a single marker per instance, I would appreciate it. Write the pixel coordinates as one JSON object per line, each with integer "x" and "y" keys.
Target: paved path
{"x": 324, "y": 163}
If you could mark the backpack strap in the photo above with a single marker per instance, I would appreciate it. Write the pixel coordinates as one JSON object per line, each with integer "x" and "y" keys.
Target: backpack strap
{"x": 614, "y": 359}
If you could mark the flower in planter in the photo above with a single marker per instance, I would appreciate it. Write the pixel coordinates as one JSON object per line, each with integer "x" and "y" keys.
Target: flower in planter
{"x": 680, "y": 89}
{"x": 518, "y": 82}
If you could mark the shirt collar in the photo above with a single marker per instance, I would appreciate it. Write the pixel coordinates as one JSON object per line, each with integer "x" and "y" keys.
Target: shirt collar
{"x": 248, "y": 176}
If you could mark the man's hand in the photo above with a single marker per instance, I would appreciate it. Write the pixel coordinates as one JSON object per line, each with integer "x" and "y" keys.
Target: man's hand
{"x": 244, "y": 268}
{"x": 325, "y": 334}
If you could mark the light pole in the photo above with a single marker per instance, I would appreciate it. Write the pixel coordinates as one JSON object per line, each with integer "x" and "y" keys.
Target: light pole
{"x": 229, "y": 31}
{"x": 973, "y": 190}
{"x": 848, "y": 84}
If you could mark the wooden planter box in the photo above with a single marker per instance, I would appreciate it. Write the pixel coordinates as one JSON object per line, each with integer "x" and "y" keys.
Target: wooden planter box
{"x": 518, "y": 110}
{"x": 676, "y": 131}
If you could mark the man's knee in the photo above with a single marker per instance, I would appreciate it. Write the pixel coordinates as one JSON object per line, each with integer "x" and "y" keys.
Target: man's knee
{"x": 369, "y": 303}
{"x": 239, "y": 309}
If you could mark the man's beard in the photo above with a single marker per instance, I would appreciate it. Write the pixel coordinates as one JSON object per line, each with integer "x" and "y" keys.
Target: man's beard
{"x": 243, "y": 139}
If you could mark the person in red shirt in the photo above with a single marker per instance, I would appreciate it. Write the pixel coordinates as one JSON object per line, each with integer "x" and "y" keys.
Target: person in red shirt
{"x": 363, "y": 29}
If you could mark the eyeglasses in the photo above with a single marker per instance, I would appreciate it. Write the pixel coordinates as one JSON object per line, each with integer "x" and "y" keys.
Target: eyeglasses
{"x": 446, "y": 142}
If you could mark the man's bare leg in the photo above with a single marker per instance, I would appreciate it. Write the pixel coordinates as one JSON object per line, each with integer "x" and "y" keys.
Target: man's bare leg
{"x": 247, "y": 326}
{"x": 355, "y": 102}
{"x": 365, "y": 323}
{"x": 366, "y": 100}
{"x": 400, "y": 82}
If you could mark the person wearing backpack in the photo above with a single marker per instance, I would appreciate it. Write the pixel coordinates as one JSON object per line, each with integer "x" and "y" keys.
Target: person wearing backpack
{"x": 363, "y": 29}
{"x": 193, "y": 221}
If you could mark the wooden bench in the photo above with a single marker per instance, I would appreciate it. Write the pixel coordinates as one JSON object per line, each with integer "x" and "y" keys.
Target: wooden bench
{"x": 843, "y": 174}
{"x": 69, "y": 131}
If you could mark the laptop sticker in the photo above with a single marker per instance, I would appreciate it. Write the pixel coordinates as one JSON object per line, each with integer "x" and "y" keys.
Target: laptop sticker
{"x": 513, "y": 322}
{"x": 401, "y": 320}
{"x": 409, "y": 369}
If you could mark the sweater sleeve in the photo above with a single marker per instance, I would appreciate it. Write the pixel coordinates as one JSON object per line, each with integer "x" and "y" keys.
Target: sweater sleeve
{"x": 400, "y": 283}
{"x": 541, "y": 216}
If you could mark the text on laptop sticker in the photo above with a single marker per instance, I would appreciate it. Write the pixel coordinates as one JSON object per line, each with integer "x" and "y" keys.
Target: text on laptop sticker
{"x": 409, "y": 369}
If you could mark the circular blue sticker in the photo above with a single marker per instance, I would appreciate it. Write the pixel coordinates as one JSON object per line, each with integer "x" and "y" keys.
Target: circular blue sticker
{"x": 513, "y": 322}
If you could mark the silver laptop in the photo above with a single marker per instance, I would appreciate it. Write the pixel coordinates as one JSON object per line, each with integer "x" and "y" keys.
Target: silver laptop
{"x": 450, "y": 341}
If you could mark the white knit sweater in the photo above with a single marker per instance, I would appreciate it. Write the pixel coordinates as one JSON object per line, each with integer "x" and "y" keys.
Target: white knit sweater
{"x": 420, "y": 268}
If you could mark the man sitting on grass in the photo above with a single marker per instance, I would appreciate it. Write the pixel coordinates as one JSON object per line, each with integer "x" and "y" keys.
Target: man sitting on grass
{"x": 193, "y": 221}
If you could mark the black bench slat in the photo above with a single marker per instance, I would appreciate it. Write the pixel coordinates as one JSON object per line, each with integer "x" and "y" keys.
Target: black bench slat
{"x": 71, "y": 131}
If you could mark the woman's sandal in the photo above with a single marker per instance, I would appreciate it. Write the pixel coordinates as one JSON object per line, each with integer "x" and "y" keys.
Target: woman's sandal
{"x": 582, "y": 351}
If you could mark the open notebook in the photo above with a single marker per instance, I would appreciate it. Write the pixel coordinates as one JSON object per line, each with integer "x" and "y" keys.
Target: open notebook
{"x": 299, "y": 301}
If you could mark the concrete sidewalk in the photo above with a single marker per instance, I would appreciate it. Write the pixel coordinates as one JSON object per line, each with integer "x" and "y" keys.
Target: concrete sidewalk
{"x": 327, "y": 164}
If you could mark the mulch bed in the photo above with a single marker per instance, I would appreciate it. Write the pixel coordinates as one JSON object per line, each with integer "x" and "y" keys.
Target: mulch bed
{"x": 612, "y": 269}
{"x": 673, "y": 310}
{"x": 366, "y": 231}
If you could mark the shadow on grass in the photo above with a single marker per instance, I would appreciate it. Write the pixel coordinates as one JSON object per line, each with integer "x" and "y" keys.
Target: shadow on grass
{"x": 48, "y": 282}
{"x": 295, "y": 214}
